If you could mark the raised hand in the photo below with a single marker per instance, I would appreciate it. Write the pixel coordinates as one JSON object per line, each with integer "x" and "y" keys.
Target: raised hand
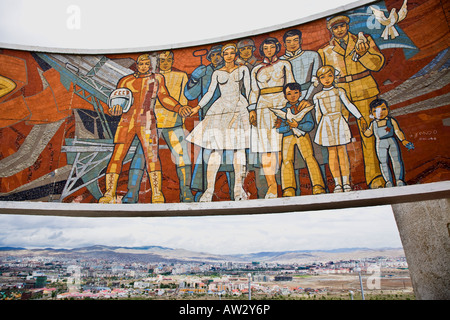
{"x": 362, "y": 47}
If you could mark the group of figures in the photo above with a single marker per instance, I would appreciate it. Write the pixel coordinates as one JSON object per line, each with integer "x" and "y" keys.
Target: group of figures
{"x": 271, "y": 116}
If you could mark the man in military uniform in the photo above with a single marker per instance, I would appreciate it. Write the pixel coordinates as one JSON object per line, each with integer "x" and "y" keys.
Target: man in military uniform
{"x": 246, "y": 47}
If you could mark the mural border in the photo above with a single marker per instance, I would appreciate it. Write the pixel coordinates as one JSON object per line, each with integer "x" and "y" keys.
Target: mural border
{"x": 364, "y": 198}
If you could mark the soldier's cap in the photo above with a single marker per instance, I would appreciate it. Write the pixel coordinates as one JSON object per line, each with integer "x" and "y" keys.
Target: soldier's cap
{"x": 245, "y": 43}
{"x": 214, "y": 49}
{"x": 337, "y": 20}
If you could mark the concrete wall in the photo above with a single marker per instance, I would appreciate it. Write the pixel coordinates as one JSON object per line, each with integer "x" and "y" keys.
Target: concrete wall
{"x": 424, "y": 230}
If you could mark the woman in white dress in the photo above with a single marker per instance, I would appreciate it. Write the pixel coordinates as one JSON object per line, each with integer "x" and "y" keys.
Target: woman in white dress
{"x": 226, "y": 125}
{"x": 331, "y": 105}
{"x": 268, "y": 80}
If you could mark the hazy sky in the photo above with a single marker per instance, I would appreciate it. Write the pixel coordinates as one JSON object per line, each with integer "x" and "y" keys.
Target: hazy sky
{"x": 372, "y": 227}
{"x": 105, "y": 24}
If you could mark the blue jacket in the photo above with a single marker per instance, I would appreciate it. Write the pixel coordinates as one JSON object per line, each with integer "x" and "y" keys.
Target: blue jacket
{"x": 306, "y": 124}
{"x": 198, "y": 85}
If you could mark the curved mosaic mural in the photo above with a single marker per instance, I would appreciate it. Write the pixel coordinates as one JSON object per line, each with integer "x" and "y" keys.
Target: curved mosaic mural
{"x": 354, "y": 101}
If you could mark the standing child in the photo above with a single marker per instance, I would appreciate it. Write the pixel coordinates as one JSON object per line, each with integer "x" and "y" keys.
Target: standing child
{"x": 294, "y": 124}
{"x": 386, "y": 129}
{"x": 333, "y": 130}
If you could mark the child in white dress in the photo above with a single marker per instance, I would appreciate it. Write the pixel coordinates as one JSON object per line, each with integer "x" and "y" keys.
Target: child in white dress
{"x": 333, "y": 130}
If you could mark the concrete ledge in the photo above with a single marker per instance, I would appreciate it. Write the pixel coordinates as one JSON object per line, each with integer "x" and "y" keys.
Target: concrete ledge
{"x": 386, "y": 196}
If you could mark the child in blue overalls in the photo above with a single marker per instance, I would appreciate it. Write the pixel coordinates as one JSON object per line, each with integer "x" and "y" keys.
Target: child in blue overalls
{"x": 386, "y": 131}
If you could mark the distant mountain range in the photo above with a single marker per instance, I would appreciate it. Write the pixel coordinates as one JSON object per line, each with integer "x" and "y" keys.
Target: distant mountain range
{"x": 152, "y": 254}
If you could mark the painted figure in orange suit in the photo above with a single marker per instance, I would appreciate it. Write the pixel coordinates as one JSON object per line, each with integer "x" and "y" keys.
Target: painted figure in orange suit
{"x": 140, "y": 120}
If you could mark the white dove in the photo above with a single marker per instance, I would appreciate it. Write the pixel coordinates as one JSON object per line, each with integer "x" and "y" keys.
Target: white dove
{"x": 389, "y": 22}
{"x": 361, "y": 39}
{"x": 288, "y": 115}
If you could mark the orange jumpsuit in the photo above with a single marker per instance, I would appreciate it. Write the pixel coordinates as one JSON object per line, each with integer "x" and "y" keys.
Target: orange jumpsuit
{"x": 140, "y": 120}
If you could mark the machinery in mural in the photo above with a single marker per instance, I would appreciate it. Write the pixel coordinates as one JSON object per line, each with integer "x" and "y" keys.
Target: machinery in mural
{"x": 354, "y": 101}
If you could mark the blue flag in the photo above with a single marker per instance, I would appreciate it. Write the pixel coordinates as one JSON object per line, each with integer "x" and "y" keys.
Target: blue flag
{"x": 363, "y": 20}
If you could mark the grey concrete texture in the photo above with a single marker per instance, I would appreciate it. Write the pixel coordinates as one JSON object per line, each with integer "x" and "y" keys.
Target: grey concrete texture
{"x": 425, "y": 234}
